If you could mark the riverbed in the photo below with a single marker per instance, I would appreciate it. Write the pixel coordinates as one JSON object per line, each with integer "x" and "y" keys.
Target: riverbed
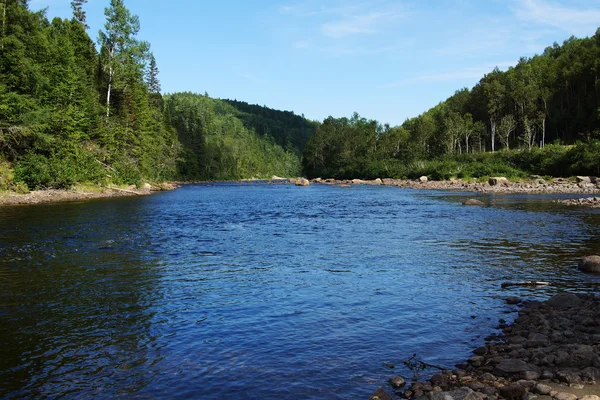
{"x": 267, "y": 291}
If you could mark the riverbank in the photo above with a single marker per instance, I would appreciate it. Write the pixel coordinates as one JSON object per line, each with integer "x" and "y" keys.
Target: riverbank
{"x": 80, "y": 193}
{"x": 551, "y": 351}
{"x": 493, "y": 185}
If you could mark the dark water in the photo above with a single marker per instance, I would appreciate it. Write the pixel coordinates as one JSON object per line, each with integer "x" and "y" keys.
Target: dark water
{"x": 260, "y": 292}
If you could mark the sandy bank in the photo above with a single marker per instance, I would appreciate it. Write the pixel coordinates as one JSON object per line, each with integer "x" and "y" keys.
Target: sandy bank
{"x": 54, "y": 196}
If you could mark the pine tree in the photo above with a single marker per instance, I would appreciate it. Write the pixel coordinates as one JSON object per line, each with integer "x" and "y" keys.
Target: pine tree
{"x": 152, "y": 76}
{"x": 79, "y": 13}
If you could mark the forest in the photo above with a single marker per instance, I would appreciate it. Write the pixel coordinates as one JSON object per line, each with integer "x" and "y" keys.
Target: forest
{"x": 73, "y": 110}
{"x": 539, "y": 117}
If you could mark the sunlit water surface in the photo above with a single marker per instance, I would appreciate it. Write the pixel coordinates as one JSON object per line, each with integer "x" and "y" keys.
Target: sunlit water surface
{"x": 265, "y": 292}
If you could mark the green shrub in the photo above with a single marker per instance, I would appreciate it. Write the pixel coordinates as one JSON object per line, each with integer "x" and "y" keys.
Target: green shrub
{"x": 60, "y": 170}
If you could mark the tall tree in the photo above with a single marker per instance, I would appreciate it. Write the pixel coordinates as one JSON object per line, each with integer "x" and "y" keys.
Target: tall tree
{"x": 79, "y": 13}
{"x": 121, "y": 52}
{"x": 152, "y": 76}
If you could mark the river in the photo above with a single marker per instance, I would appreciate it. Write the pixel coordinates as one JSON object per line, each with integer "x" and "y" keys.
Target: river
{"x": 256, "y": 291}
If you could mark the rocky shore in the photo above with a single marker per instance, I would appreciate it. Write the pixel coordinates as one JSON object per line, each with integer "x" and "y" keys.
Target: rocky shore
{"x": 592, "y": 202}
{"x": 551, "y": 351}
{"x": 582, "y": 185}
{"x": 54, "y": 196}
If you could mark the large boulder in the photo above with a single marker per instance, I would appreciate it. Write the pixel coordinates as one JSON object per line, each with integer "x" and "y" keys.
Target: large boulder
{"x": 564, "y": 300}
{"x": 590, "y": 264}
{"x": 423, "y": 179}
{"x": 302, "y": 182}
{"x": 584, "y": 179}
{"x": 497, "y": 180}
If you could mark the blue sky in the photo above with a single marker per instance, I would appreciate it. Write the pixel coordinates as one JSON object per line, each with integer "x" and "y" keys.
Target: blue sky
{"x": 386, "y": 60}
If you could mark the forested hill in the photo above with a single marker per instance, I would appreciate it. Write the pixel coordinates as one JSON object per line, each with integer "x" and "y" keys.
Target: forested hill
{"x": 218, "y": 145}
{"x": 74, "y": 111}
{"x": 288, "y": 129}
{"x": 551, "y": 98}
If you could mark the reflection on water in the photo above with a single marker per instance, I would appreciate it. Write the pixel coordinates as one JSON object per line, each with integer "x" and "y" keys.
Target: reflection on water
{"x": 260, "y": 291}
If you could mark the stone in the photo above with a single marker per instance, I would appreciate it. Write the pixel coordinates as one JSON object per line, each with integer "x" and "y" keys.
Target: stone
{"x": 515, "y": 366}
{"x": 565, "y": 396}
{"x": 498, "y": 180}
{"x": 378, "y": 182}
{"x": 542, "y": 389}
{"x": 530, "y": 375}
{"x": 423, "y": 179}
{"x": 583, "y": 179}
{"x": 397, "y": 381}
{"x": 146, "y": 187}
{"x": 473, "y": 202}
{"x": 590, "y": 264}
{"x": 302, "y": 182}
{"x": 380, "y": 394}
{"x": 568, "y": 377}
{"x": 513, "y": 300}
{"x": 562, "y": 301}
{"x": 590, "y": 397}
{"x": 480, "y": 351}
{"x": 512, "y": 392}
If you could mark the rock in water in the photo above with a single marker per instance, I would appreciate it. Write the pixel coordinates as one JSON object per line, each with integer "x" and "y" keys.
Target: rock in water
{"x": 473, "y": 202}
{"x": 397, "y": 381}
{"x": 302, "y": 182}
{"x": 590, "y": 264}
{"x": 380, "y": 394}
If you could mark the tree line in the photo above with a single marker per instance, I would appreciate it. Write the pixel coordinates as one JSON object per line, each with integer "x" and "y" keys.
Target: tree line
{"x": 551, "y": 98}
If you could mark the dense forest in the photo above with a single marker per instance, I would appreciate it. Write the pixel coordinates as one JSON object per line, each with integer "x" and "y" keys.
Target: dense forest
{"x": 72, "y": 110}
{"x": 540, "y": 116}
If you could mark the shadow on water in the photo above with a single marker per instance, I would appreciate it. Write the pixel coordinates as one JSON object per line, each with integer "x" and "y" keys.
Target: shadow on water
{"x": 76, "y": 285}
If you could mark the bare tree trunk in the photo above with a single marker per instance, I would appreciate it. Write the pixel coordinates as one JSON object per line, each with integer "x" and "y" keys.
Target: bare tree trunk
{"x": 493, "y": 138}
{"x": 3, "y": 22}
{"x": 110, "y": 80}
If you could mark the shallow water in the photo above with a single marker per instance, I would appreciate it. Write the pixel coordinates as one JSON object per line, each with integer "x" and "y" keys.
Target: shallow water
{"x": 259, "y": 292}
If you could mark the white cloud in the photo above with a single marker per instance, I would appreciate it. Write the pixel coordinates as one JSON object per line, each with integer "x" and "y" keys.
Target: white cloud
{"x": 577, "y": 21}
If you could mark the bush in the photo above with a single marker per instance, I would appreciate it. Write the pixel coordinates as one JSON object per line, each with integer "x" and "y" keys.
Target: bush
{"x": 60, "y": 170}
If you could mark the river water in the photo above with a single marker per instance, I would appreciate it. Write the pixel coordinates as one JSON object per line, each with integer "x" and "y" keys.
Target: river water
{"x": 257, "y": 291}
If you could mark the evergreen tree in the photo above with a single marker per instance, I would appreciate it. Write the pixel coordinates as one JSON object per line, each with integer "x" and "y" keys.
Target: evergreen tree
{"x": 79, "y": 13}
{"x": 152, "y": 76}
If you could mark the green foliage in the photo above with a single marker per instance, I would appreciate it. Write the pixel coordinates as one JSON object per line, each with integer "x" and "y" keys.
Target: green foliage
{"x": 289, "y": 130}
{"x": 219, "y": 146}
{"x": 60, "y": 169}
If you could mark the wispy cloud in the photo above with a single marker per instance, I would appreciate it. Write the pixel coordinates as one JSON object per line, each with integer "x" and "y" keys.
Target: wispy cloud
{"x": 349, "y": 19}
{"x": 357, "y": 24}
{"x": 471, "y": 73}
{"x": 575, "y": 20}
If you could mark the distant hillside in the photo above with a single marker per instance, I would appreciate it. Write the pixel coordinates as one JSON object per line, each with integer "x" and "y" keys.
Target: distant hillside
{"x": 287, "y": 128}
{"x": 217, "y": 145}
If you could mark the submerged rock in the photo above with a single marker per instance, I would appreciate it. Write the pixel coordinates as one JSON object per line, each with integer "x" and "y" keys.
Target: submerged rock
{"x": 473, "y": 202}
{"x": 302, "y": 182}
